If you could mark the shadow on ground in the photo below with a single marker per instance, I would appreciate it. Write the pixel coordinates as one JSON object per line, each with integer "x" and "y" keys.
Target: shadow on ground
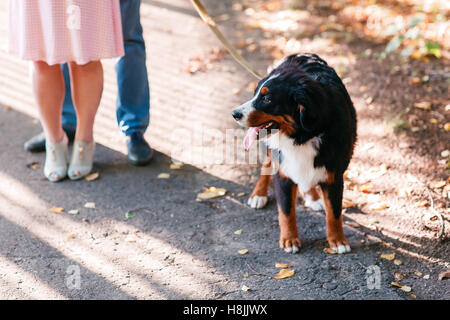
{"x": 172, "y": 248}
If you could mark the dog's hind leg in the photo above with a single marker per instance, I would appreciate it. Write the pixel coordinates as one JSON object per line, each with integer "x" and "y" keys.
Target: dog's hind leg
{"x": 313, "y": 200}
{"x": 259, "y": 196}
{"x": 332, "y": 198}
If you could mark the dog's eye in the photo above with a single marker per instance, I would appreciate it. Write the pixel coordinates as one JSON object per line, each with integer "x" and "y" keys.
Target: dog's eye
{"x": 266, "y": 99}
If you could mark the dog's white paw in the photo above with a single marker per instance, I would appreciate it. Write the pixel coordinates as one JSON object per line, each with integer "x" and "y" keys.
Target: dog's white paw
{"x": 293, "y": 249}
{"x": 341, "y": 249}
{"x": 257, "y": 202}
{"x": 317, "y": 205}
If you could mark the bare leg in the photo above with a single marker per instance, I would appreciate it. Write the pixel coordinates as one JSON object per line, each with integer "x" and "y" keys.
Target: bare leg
{"x": 87, "y": 88}
{"x": 48, "y": 87}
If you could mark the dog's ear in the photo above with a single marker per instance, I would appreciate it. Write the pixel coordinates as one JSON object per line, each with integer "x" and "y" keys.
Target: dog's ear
{"x": 310, "y": 100}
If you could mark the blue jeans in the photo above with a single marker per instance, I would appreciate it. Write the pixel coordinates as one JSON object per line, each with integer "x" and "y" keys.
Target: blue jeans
{"x": 133, "y": 101}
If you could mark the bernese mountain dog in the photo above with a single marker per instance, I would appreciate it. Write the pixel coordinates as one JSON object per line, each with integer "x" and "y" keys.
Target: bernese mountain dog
{"x": 308, "y": 118}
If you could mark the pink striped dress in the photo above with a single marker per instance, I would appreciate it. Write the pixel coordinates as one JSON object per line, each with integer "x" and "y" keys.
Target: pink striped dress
{"x": 58, "y": 31}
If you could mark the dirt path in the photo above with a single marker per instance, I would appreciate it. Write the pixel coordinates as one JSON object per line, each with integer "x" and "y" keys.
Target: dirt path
{"x": 173, "y": 247}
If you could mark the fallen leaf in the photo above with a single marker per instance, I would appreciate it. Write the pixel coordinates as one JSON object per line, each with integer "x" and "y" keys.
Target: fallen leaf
{"x": 245, "y": 288}
{"x": 444, "y": 275}
{"x": 92, "y": 176}
{"x": 379, "y": 206}
{"x": 71, "y": 235}
{"x": 163, "y": 176}
{"x": 238, "y": 232}
{"x": 398, "y": 276}
{"x": 365, "y": 188}
{"x": 424, "y": 105}
{"x": 445, "y": 153}
{"x": 176, "y": 166}
{"x": 347, "y": 204}
{"x": 90, "y": 205}
{"x": 243, "y": 251}
{"x": 413, "y": 296}
{"x": 417, "y": 273}
{"x": 388, "y": 256}
{"x": 284, "y": 273}
{"x": 396, "y": 284}
{"x": 241, "y": 194}
{"x": 447, "y": 126}
{"x": 415, "y": 81}
{"x": 406, "y": 288}
{"x": 282, "y": 265}
{"x": 57, "y": 210}
{"x": 438, "y": 184}
{"x": 211, "y": 193}
{"x": 246, "y": 274}
{"x": 426, "y": 277}
{"x": 74, "y": 211}
{"x": 420, "y": 204}
{"x": 398, "y": 262}
{"x": 33, "y": 165}
{"x": 405, "y": 192}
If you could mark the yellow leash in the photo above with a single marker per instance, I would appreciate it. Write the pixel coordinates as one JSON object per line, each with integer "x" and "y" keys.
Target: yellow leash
{"x": 212, "y": 25}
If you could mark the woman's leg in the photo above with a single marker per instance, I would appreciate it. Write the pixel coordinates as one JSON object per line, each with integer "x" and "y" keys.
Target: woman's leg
{"x": 48, "y": 87}
{"x": 87, "y": 87}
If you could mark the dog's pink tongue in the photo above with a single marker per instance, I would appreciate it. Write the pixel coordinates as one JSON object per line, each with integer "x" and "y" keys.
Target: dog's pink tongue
{"x": 250, "y": 137}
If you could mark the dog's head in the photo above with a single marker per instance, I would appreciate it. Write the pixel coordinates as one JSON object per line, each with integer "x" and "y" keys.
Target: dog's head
{"x": 288, "y": 100}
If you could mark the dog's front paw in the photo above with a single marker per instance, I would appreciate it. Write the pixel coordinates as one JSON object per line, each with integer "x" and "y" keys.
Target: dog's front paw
{"x": 290, "y": 245}
{"x": 338, "y": 246}
{"x": 317, "y": 205}
{"x": 257, "y": 202}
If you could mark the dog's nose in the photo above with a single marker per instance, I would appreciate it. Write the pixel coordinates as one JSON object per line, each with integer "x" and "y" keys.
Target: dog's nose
{"x": 237, "y": 114}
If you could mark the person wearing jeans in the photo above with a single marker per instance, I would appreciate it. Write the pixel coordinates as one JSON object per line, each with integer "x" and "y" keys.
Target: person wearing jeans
{"x": 133, "y": 101}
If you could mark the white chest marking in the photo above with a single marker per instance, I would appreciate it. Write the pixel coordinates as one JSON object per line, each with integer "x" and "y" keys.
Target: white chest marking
{"x": 298, "y": 160}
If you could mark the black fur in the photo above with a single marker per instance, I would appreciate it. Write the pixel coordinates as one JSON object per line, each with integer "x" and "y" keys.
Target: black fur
{"x": 283, "y": 193}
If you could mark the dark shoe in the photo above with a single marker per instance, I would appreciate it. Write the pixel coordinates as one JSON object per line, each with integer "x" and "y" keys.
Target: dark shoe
{"x": 37, "y": 143}
{"x": 139, "y": 151}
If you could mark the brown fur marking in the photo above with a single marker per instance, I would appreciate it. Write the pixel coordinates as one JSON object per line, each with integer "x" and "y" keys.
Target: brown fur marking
{"x": 257, "y": 118}
{"x": 335, "y": 231}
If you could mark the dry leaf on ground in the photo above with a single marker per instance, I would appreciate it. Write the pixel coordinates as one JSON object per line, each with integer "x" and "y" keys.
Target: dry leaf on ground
{"x": 211, "y": 193}
{"x": 379, "y": 206}
{"x": 424, "y": 105}
{"x": 163, "y": 176}
{"x": 438, "y": 184}
{"x": 347, "y": 204}
{"x": 57, "y": 209}
{"x": 176, "y": 166}
{"x": 33, "y": 165}
{"x": 90, "y": 205}
{"x": 245, "y": 288}
{"x": 406, "y": 288}
{"x": 282, "y": 265}
{"x": 388, "y": 256}
{"x": 243, "y": 251}
{"x": 74, "y": 211}
{"x": 365, "y": 188}
{"x": 398, "y": 262}
{"x": 238, "y": 232}
{"x": 284, "y": 273}
{"x": 92, "y": 176}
